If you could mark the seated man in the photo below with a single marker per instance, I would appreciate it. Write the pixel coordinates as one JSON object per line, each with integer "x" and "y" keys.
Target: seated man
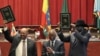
{"x": 53, "y": 47}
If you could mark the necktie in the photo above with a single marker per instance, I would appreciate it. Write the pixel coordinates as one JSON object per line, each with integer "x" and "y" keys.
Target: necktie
{"x": 23, "y": 49}
{"x": 52, "y": 44}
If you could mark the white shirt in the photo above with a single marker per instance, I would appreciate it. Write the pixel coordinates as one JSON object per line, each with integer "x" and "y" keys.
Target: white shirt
{"x": 53, "y": 43}
{"x": 18, "y": 51}
{"x": 19, "y": 48}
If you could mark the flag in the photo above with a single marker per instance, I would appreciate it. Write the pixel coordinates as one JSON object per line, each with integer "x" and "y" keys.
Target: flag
{"x": 65, "y": 6}
{"x": 97, "y": 13}
{"x": 13, "y": 30}
{"x": 98, "y": 20}
{"x": 96, "y": 5}
{"x": 45, "y": 19}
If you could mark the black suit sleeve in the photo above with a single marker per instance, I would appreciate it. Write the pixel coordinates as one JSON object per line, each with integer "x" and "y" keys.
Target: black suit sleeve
{"x": 34, "y": 49}
{"x": 44, "y": 51}
{"x": 83, "y": 38}
{"x": 61, "y": 51}
{"x": 62, "y": 38}
{"x": 7, "y": 35}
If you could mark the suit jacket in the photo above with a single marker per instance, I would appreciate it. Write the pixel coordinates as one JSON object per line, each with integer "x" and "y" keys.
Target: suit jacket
{"x": 31, "y": 49}
{"x": 58, "y": 48}
{"x": 78, "y": 43}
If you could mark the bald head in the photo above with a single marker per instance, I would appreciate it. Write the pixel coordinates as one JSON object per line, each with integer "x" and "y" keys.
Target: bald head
{"x": 52, "y": 34}
{"x": 24, "y": 33}
{"x": 52, "y": 31}
{"x": 24, "y": 30}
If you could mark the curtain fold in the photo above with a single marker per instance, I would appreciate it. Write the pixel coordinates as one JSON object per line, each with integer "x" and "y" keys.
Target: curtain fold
{"x": 28, "y": 12}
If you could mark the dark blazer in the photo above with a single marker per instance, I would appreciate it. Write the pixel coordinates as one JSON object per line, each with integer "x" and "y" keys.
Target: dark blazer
{"x": 15, "y": 41}
{"x": 58, "y": 48}
{"x": 79, "y": 46}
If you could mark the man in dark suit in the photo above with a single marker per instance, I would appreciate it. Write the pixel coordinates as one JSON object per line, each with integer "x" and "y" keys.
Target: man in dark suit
{"x": 78, "y": 39}
{"x": 20, "y": 44}
{"x": 53, "y": 47}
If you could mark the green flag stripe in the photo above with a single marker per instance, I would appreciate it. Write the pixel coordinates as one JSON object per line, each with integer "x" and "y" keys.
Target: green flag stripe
{"x": 65, "y": 7}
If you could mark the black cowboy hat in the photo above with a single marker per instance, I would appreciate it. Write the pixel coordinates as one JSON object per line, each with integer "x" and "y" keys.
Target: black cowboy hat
{"x": 81, "y": 23}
